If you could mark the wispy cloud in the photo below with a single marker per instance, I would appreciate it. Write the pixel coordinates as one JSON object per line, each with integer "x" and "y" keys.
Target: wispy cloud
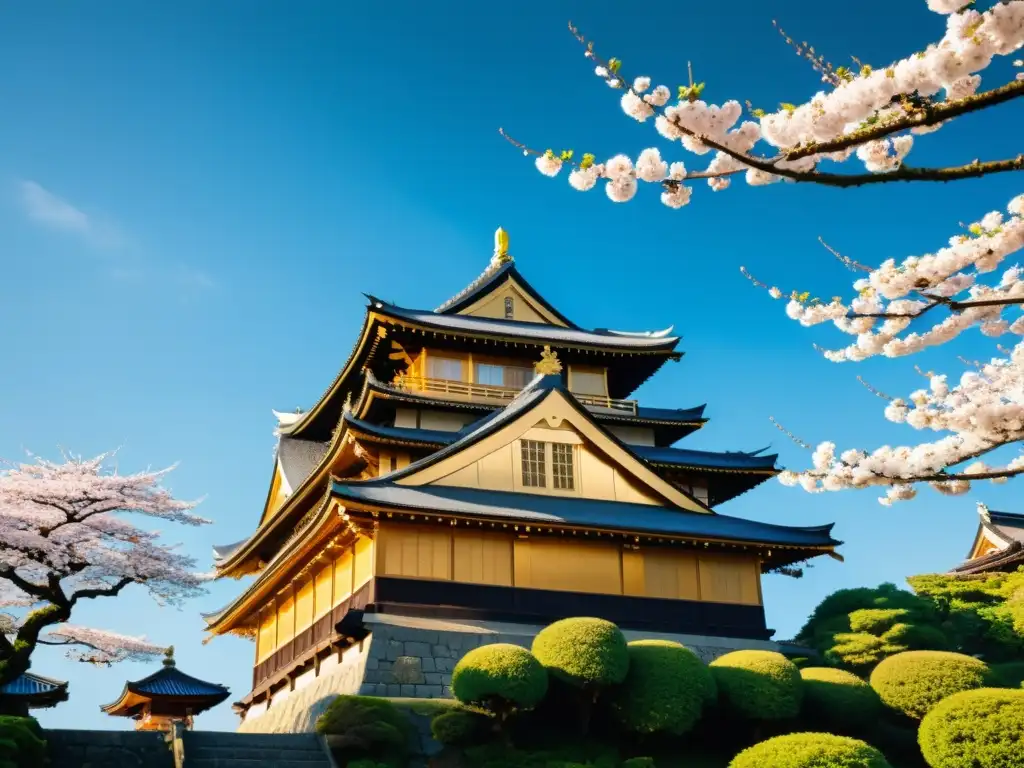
{"x": 54, "y": 212}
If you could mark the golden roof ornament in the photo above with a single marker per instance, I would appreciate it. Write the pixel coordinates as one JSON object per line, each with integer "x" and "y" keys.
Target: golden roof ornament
{"x": 501, "y": 254}
{"x": 983, "y": 513}
{"x": 549, "y": 364}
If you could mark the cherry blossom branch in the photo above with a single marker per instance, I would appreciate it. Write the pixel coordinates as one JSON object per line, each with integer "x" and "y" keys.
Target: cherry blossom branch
{"x": 914, "y": 117}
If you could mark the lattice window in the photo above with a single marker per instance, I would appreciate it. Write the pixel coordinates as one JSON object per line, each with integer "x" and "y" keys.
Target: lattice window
{"x": 534, "y": 471}
{"x": 509, "y": 308}
{"x": 561, "y": 467}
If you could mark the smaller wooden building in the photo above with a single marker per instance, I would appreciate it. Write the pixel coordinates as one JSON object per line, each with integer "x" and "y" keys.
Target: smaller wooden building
{"x": 30, "y": 691}
{"x": 166, "y": 697}
{"x": 998, "y": 545}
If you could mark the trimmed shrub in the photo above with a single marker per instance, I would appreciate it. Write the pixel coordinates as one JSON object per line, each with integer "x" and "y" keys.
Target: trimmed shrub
{"x": 665, "y": 690}
{"x": 838, "y": 700}
{"x": 915, "y": 681}
{"x": 758, "y": 685}
{"x": 982, "y": 728}
{"x": 585, "y": 653}
{"x": 27, "y": 737}
{"x": 810, "y": 750}
{"x": 458, "y": 727}
{"x": 365, "y": 727}
{"x": 500, "y": 677}
{"x": 638, "y": 762}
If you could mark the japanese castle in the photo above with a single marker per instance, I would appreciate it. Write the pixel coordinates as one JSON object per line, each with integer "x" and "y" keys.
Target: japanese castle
{"x": 473, "y": 473}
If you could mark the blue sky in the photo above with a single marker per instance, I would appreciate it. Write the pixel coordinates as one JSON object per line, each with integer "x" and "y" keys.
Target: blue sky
{"x": 193, "y": 195}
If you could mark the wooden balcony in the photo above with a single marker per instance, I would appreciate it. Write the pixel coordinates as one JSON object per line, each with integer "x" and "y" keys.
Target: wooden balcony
{"x": 462, "y": 390}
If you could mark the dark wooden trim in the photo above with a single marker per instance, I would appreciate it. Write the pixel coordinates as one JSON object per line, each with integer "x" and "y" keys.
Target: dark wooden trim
{"x": 447, "y": 599}
{"x": 301, "y": 649}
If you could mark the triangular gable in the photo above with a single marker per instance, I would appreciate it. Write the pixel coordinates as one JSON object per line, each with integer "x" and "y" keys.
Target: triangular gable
{"x": 279, "y": 492}
{"x": 508, "y": 300}
{"x": 986, "y": 541}
{"x": 542, "y": 406}
{"x": 485, "y": 297}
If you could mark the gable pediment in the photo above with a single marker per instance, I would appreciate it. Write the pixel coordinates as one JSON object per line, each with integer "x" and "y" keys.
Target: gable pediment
{"x": 601, "y": 468}
{"x": 508, "y": 300}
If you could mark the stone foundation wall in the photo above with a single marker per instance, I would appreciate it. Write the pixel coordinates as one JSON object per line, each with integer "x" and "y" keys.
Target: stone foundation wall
{"x": 414, "y": 658}
{"x": 108, "y": 749}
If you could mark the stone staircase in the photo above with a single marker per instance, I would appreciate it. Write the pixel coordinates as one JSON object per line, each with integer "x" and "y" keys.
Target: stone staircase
{"x": 211, "y": 749}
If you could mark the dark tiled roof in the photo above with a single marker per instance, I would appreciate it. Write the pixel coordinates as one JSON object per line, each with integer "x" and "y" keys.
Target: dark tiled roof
{"x": 29, "y": 684}
{"x": 671, "y": 456}
{"x": 540, "y": 332}
{"x": 224, "y": 551}
{"x": 491, "y": 279}
{"x": 170, "y": 682}
{"x": 298, "y": 458}
{"x": 1008, "y": 559}
{"x": 705, "y": 459}
{"x": 589, "y": 513}
{"x": 1007, "y": 525}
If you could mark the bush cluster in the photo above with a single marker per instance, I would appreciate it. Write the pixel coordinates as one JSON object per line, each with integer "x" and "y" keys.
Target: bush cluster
{"x": 366, "y": 728}
{"x": 938, "y": 704}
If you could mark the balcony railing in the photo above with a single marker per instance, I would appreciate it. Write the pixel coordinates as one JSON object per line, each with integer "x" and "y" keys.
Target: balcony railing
{"x": 462, "y": 390}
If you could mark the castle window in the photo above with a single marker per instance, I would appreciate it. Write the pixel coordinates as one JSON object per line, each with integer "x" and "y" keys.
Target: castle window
{"x": 510, "y": 376}
{"x": 509, "y": 308}
{"x": 444, "y": 368}
{"x": 561, "y": 466}
{"x": 534, "y": 470}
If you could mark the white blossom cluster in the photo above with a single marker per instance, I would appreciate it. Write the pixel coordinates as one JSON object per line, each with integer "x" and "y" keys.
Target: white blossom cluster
{"x": 98, "y": 646}
{"x": 985, "y": 411}
{"x": 64, "y": 537}
{"x": 911, "y": 293}
{"x": 946, "y": 71}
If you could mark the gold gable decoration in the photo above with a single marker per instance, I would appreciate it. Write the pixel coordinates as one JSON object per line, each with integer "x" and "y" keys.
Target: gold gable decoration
{"x": 549, "y": 364}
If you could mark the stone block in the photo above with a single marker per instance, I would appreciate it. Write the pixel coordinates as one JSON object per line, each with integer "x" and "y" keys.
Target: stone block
{"x": 446, "y": 679}
{"x": 407, "y": 670}
{"x": 409, "y": 691}
{"x": 433, "y": 678}
{"x": 417, "y": 649}
{"x": 368, "y": 689}
{"x": 395, "y": 649}
{"x": 429, "y": 691}
{"x": 394, "y": 690}
{"x": 427, "y": 664}
{"x": 441, "y": 652}
{"x": 444, "y": 665}
{"x": 372, "y": 663}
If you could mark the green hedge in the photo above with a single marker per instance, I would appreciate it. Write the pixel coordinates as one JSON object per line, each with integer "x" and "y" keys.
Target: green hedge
{"x": 1009, "y": 674}
{"x": 838, "y": 700}
{"x": 665, "y": 690}
{"x": 366, "y": 727}
{"x": 500, "y": 677}
{"x": 24, "y": 733}
{"x": 583, "y": 652}
{"x": 810, "y": 750}
{"x": 914, "y": 681}
{"x": 458, "y": 727}
{"x": 758, "y": 685}
{"x": 983, "y": 728}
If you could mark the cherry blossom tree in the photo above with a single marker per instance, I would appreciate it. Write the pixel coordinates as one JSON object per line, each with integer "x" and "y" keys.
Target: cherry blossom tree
{"x": 870, "y": 116}
{"x": 64, "y": 538}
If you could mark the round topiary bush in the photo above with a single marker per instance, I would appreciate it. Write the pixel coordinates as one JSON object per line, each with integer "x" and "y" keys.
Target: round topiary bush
{"x": 975, "y": 729}
{"x": 586, "y": 653}
{"x": 838, "y": 700}
{"x": 665, "y": 690}
{"x": 915, "y": 681}
{"x": 810, "y": 750}
{"x": 500, "y": 677}
{"x": 458, "y": 727}
{"x": 758, "y": 685}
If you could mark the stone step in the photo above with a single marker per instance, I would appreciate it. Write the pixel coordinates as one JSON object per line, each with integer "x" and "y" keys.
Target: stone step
{"x": 254, "y": 750}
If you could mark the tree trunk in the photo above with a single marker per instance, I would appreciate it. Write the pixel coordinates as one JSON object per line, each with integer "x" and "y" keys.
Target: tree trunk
{"x": 15, "y": 658}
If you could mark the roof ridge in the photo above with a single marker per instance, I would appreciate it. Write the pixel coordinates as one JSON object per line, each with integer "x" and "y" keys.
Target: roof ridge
{"x": 497, "y": 264}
